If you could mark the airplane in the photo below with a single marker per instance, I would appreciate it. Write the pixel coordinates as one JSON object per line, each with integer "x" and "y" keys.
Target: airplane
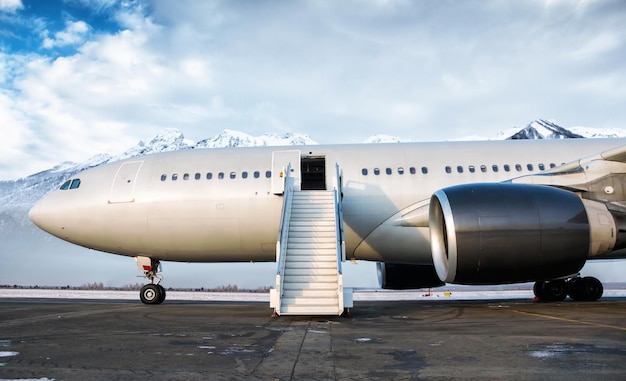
{"x": 472, "y": 213}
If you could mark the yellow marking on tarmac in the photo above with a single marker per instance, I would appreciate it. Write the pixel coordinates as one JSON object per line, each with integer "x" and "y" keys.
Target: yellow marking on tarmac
{"x": 569, "y": 320}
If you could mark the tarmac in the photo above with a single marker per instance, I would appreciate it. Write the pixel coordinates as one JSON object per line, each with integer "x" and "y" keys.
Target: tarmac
{"x": 68, "y": 339}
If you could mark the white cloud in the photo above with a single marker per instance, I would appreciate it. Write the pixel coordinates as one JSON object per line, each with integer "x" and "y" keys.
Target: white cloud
{"x": 10, "y": 6}
{"x": 74, "y": 33}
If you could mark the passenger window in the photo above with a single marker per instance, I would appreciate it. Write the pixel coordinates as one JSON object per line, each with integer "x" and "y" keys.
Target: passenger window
{"x": 163, "y": 177}
{"x": 175, "y": 177}
{"x": 472, "y": 169}
{"x": 244, "y": 175}
{"x": 424, "y": 170}
{"x": 220, "y": 175}
{"x": 552, "y": 165}
{"x": 75, "y": 184}
{"x": 530, "y": 167}
{"x": 401, "y": 171}
{"x": 507, "y": 168}
{"x": 186, "y": 176}
{"x": 448, "y": 169}
{"x": 256, "y": 174}
{"x": 388, "y": 171}
{"x": 233, "y": 175}
{"x": 364, "y": 171}
{"x": 494, "y": 168}
{"x": 268, "y": 174}
{"x": 376, "y": 171}
{"x": 518, "y": 167}
{"x": 197, "y": 177}
{"x": 483, "y": 168}
{"x": 412, "y": 170}
{"x": 459, "y": 169}
{"x": 66, "y": 185}
{"x": 542, "y": 167}
{"x": 209, "y": 175}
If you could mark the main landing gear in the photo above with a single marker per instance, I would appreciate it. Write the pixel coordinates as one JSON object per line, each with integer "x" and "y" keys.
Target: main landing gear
{"x": 578, "y": 288}
{"x": 152, "y": 293}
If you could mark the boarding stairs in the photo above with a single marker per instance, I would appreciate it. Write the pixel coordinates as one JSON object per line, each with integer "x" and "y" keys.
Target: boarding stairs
{"x": 310, "y": 251}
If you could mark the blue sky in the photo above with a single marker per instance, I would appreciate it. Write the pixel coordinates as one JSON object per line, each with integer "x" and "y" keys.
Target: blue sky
{"x": 82, "y": 77}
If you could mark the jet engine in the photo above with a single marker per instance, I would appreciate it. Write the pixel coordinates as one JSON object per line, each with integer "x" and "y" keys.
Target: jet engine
{"x": 508, "y": 233}
{"x": 393, "y": 276}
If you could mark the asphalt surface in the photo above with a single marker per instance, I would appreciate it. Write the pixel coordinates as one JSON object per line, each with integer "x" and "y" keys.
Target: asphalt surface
{"x": 423, "y": 340}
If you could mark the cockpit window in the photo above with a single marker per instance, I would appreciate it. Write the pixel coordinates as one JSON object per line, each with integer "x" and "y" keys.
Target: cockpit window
{"x": 70, "y": 184}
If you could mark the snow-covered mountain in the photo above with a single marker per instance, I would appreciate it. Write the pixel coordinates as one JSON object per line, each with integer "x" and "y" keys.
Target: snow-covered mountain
{"x": 230, "y": 138}
{"x": 385, "y": 139}
{"x": 544, "y": 129}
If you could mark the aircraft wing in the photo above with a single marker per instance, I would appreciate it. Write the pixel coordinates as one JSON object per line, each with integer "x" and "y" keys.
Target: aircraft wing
{"x": 600, "y": 176}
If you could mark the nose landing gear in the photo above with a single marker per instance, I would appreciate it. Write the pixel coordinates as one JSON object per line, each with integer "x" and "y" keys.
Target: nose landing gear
{"x": 153, "y": 292}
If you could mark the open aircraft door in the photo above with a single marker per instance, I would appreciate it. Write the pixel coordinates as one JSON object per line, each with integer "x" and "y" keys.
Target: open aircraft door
{"x": 123, "y": 188}
{"x": 280, "y": 161}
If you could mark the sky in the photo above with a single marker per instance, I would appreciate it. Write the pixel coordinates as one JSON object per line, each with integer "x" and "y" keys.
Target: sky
{"x": 82, "y": 77}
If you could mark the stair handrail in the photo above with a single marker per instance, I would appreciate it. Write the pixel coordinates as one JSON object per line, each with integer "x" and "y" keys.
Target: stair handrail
{"x": 339, "y": 233}
{"x": 338, "y": 195}
{"x": 283, "y": 231}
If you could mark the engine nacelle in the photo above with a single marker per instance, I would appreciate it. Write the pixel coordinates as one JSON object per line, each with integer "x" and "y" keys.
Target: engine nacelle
{"x": 392, "y": 276}
{"x": 507, "y": 233}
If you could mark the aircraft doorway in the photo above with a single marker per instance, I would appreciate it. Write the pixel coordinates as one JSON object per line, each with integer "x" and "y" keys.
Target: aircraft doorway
{"x": 313, "y": 171}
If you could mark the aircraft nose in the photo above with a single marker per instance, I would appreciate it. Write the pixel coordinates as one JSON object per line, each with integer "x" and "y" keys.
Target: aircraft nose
{"x": 34, "y": 214}
{"x": 42, "y": 215}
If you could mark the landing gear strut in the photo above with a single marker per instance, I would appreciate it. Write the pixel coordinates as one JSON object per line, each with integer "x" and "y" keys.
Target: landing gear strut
{"x": 577, "y": 288}
{"x": 152, "y": 293}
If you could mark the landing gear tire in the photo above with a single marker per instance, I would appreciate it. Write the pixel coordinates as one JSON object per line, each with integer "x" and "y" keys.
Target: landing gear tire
{"x": 551, "y": 291}
{"x": 162, "y": 290}
{"x": 587, "y": 289}
{"x": 152, "y": 294}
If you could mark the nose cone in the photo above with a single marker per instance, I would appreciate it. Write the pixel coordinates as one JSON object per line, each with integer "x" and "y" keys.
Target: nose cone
{"x": 46, "y": 216}
{"x": 35, "y": 215}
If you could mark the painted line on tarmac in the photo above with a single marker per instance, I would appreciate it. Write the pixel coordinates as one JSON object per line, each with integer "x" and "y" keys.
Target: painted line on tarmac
{"x": 569, "y": 320}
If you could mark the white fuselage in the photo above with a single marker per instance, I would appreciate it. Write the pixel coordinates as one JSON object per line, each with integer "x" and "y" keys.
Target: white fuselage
{"x": 164, "y": 206}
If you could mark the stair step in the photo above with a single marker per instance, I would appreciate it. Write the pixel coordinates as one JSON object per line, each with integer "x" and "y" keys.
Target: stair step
{"x": 318, "y": 194}
{"x": 308, "y": 293}
{"x": 309, "y": 286}
{"x": 317, "y": 201}
{"x": 304, "y": 301}
{"x": 310, "y": 310}
{"x": 311, "y": 229}
{"x": 291, "y": 272}
{"x": 312, "y": 216}
{"x": 313, "y": 223}
{"x": 310, "y": 278}
{"x": 314, "y": 201}
{"x": 311, "y": 245}
{"x": 311, "y": 265}
{"x": 327, "y": 232}
{"x": 314, "y": 241}
{"x": 316, "y": 255}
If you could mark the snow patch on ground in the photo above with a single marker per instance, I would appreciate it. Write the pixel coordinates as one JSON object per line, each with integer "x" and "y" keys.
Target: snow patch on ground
{"x": 359, "y": 295}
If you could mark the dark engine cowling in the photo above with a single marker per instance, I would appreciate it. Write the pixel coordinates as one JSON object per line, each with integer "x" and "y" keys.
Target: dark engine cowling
{"x": 392, "y": 276}
{"x": 508, "y": 233}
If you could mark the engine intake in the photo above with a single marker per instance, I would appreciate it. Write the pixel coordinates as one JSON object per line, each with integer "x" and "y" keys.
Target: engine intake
{"x": 507, "y": 233}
